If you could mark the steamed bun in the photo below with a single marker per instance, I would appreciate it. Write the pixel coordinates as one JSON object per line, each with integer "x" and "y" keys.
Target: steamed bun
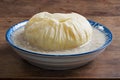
{"x": 57, "y": 31}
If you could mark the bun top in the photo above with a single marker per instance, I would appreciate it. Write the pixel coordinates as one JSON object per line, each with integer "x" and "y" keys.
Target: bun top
{"x": 57, "y": 31}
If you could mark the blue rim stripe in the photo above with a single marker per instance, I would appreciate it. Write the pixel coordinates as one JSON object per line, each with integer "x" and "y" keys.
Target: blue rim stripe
{"x": 94, "y": 24}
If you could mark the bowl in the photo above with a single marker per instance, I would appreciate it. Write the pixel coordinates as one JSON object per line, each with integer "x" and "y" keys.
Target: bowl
{"x": 58, "y": 62}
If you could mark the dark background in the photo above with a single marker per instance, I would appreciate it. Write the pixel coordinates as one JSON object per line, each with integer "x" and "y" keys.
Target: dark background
{"x": 106, "y": 12}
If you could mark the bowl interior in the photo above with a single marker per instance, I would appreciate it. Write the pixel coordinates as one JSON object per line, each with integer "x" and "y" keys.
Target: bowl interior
{"x": 96, "y": 25}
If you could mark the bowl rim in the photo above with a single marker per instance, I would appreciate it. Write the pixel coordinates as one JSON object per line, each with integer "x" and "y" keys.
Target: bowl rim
{"x": 107, "y": 42}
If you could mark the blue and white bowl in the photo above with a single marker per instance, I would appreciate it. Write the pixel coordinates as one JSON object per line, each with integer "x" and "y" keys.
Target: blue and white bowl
{"x": 58, "y": 62}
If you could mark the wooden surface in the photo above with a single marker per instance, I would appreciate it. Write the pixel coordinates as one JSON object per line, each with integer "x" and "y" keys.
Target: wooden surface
{"x": 106, "y": 65}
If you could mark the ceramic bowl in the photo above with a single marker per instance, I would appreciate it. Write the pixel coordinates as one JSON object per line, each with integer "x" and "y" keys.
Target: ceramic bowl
{"x": 58, "y": 62}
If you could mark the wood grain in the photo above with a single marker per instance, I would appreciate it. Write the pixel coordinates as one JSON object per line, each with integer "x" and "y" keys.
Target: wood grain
{"x": 105, "y": 65}
{"x": 27, "y": 8}
{"x": 106, "y": 12}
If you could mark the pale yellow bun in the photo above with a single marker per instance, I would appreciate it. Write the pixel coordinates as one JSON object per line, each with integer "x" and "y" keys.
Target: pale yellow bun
{"x": 58, "y": 31}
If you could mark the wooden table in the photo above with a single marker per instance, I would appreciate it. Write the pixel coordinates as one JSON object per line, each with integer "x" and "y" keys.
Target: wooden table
{"x": 106, "y": 65}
